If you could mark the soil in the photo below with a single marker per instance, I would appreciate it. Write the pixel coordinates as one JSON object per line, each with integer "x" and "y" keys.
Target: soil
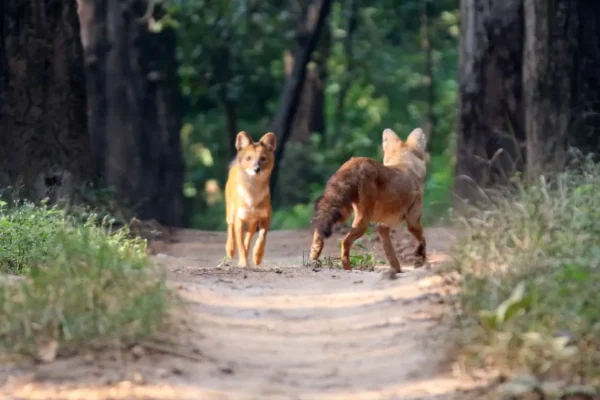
{"x": 280, "y": 331}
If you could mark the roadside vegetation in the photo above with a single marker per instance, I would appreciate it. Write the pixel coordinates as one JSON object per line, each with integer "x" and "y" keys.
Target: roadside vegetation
{"x": 529, "y": 279}
{"x": 65, "y": 283}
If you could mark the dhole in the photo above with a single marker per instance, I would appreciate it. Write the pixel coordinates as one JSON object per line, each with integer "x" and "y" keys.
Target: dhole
{"x": 387, "y": 193}
{"x": 247, "y": 196}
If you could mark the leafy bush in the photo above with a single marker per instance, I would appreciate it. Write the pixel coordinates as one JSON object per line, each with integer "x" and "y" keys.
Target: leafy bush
{"x": 529, "y": 269}
{"x": 80, "y": 283}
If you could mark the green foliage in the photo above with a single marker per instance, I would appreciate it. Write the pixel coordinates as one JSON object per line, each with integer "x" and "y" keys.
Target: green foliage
{"x": 78, "y": 284}
{"x": 529, "y": 267}
{"x": 231, "y": 60}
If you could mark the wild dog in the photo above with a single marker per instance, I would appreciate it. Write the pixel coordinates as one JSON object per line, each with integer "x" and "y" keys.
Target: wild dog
{"x": 248, "y": 197}
{"x": 387, "y": 193}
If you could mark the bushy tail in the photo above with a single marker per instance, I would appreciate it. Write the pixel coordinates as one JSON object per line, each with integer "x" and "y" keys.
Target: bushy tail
{"x": 335, "y": 204}
{"x": 417, "y": 142}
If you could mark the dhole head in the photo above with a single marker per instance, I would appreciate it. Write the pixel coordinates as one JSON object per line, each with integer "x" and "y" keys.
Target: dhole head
{"x": 393, "y": 146}
{"x": 256, "y": 158}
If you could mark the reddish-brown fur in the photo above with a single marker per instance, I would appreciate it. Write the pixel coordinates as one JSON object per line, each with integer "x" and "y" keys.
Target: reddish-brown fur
{"x": 247, "y": 196}
{"x": 387, "y": 193}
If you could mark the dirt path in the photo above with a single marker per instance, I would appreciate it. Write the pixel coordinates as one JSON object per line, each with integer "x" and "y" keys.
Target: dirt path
{"x": 281, "y": 331}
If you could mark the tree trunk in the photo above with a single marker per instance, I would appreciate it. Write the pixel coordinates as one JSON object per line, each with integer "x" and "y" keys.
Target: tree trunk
{"x": 134, "y": 104}
{"x": 351, "y": 25}
{"x": 310, "y": 114}
{"x": 44, "y": 141}
{"x": 561, "y": 81}
{"x": 490, "y": 120}
{"x": 232, "y": 126}
{"x": 428, "y": 69}
{"x": 290, "y": 95}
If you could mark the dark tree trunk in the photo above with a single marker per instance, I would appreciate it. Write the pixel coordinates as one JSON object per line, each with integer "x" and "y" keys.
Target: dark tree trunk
{"x": 490, "y": 94}
{"x": 351, "y": 25}
{"x": 310, "y": 114}
{"x": 232, "y": 128}
{"x": 134, "y": 105}
{"x": 290, "y": 95}
{"x": 428, "y": 69}
{"x": 561, "y": 81}
{"x": 44, "y": 141}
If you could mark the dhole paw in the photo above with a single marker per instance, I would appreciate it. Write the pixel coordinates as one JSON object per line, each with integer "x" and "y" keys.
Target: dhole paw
{"x": 243, "y": 263}
{"x": 230, "y": 250}
{"x": 420, "y": 261}
{"x": 390, "y": 274}
{"x": 257, "y": 259}
{"x": 421, "y": 256}
{"x": 315, "y": 265}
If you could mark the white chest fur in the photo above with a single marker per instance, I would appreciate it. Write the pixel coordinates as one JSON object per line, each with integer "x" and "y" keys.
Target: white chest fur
{"x": 251, "y": 201}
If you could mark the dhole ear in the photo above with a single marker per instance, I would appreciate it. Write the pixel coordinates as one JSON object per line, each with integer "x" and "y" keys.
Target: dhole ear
{"x": 389, "y": 137}
{"x": 417, "y": 139}
{"x": 269, "y": 140}
{"x": 242, "y": 141}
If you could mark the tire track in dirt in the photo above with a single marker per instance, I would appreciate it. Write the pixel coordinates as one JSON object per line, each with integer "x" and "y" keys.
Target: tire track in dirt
{"x": 281, "y": 331}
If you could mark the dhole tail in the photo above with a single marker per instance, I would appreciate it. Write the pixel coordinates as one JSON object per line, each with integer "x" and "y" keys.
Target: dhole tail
{"x": 336, "y": 202}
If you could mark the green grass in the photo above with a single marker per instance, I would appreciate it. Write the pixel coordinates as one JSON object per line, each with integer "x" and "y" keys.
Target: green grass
{"x": 80, "y": 283}
{"x": 529, "y": 267}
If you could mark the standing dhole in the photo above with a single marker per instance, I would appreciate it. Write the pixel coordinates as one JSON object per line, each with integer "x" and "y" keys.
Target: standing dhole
{"x": 247, "y": 196}
{"x": 387, "y": 193}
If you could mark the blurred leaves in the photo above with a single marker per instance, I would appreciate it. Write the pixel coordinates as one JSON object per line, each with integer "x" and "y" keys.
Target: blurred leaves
{"x": 233, "y": 51}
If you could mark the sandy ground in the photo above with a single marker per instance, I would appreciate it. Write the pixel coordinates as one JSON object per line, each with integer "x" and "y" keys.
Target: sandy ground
{"x": 281, "y": 331}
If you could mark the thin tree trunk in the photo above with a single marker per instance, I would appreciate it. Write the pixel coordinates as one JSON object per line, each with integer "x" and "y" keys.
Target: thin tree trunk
{"x": 310, "y": 115}
{"x": 351, "y": 25}
{"x": 561, "y": 81}
{"x": 428, "y": 69}
{"x": 134, "y": 105}
{"x": 232, "y": 128}
{"x": 490, "y": 120}
{"x": 44, "y": 141}
{"x": 290, "y": 95}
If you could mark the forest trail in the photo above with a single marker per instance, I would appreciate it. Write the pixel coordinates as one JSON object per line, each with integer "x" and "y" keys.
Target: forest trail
{"x": 281, "y": 331}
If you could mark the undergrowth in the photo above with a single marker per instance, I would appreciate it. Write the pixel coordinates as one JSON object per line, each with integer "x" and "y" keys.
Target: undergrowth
{"x": 529, "y": 267}
{"x": 79, "y": 283}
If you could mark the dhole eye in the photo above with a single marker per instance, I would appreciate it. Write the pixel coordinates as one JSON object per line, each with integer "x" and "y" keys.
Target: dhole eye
{"x": 263, "y": 158}
{"x": 248, "y": 158}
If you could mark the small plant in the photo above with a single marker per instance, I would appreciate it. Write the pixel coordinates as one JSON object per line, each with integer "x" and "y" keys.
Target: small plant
{"x": 82, "y": 284}
{"x": 529, "y": 267}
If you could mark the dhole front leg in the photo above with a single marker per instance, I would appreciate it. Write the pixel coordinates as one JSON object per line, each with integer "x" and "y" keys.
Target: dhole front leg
{"x": 249, "y": 234}
{"x": 230, "y": 245}
{"x": 239, "y": 239}
{"x": 261, "y": 241}
{"x": 388, "y": 248}
{"x": 317, "y": 246}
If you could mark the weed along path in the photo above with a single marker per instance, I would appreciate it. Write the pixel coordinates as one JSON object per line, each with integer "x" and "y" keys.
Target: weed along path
{"x": 281, "y": 331}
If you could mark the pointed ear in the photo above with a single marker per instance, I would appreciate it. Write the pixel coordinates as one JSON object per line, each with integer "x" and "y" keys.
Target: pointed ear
{"x": 269, "y": 140}
{"x": 389, "y": 137}
{"x": 242, "y": 141}
{"x": 417, "y": 140}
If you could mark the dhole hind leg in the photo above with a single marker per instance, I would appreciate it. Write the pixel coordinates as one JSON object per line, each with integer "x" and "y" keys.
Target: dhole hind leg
{"x": 413, "y": 222}
{"x": 388, "y": 249}
{"x": 230, "y": 245}
{"x": 261, "y": 241}
{"x": 252, "y": 225}
{"x": 238, "y": 229}
{"x": 359, "y": 227}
